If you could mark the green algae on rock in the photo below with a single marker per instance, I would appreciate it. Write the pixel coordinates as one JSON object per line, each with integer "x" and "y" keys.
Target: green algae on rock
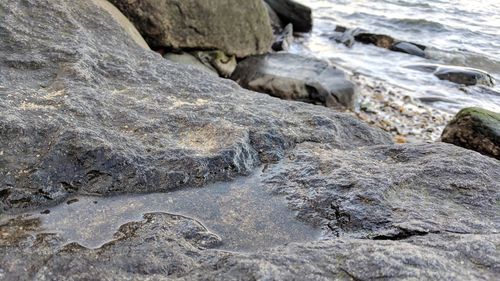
{"x": 477, "y": 129}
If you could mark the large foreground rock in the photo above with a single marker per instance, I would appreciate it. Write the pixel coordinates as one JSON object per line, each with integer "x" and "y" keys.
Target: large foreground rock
{"x": 240, "y": 28}
{"x": 84, "y": 109}
{"x": 294, "y": 77}
{"x": 477, "y": 129}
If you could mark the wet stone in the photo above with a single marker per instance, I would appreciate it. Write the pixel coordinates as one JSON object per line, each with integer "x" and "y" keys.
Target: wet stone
{"x": 243, "y": 213}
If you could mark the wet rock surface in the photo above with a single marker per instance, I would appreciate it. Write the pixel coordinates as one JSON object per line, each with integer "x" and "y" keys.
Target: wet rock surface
{"x": 477, "y": 129}
{"x": 190, "y": 24}
{"x": 86, "y": 111}
{"x": 295, "y": 77}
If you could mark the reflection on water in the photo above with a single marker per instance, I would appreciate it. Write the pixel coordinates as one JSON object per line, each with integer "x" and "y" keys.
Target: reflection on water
{"x": 242, "y": 212}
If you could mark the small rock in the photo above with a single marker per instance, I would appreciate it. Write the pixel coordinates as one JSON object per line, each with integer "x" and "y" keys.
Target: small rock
{"x": 222, "y": 63}
{"x": 284, "y": 40}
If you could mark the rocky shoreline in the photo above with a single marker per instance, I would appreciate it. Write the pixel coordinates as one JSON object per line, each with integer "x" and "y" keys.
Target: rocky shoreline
{"x": 93, "y": 121}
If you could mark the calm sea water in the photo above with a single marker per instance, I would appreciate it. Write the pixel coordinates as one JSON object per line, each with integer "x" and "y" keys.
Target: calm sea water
{"x": 456, "y": 32}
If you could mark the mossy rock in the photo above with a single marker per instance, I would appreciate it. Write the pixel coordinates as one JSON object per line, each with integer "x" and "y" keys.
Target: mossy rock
{"x": 477, "y": 129}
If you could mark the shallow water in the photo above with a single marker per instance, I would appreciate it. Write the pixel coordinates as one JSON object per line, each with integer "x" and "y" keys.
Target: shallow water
{"x": 456, "y": 32}
{"x": 243, "y": 213}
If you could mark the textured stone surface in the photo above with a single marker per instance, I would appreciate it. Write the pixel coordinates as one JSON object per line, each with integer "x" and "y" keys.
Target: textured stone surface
{"x": 295, "y": 77}
{"x": 477, "y": 129}
{"x": 240, "y": 28}
{"x": 391, "y": 192}
{"x": 167, "y": 247}
{"x": 85, "y": 110}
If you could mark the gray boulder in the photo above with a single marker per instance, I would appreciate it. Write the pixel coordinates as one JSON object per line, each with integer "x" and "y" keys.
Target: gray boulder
{"x": 477, "y": 129}
{"x": 86, "y": 110}
{"x": 294, "y": 77}
{"x": 292, "y": 12}
{"x": 240, "y": 28}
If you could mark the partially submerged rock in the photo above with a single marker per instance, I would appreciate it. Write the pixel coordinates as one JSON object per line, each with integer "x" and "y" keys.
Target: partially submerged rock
{"x": 477, "y": 129}
{"x": 409, "y": 48}
{"x": 379, "y": 40}
{"x": 292, "y": 12}
{"x": 295, "y": 77}
{"x": 238, "y": 28}
{"x": 464, "y": 75}
{"x": 348, "y": 36}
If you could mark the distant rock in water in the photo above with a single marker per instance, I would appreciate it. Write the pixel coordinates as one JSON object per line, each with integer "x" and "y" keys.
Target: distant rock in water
{"x": 294, "y": 77}
{"x": 477, "y": 129}
{"x": 457, "y": 74}
{"x": 409, "y": 48}
{"x": 292, "y": 12}
{"x": 240, "y": 27}
{"x": 464, "y": 75}
{"x": 348, "y": 36}
{"x": 379, "y": 40}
